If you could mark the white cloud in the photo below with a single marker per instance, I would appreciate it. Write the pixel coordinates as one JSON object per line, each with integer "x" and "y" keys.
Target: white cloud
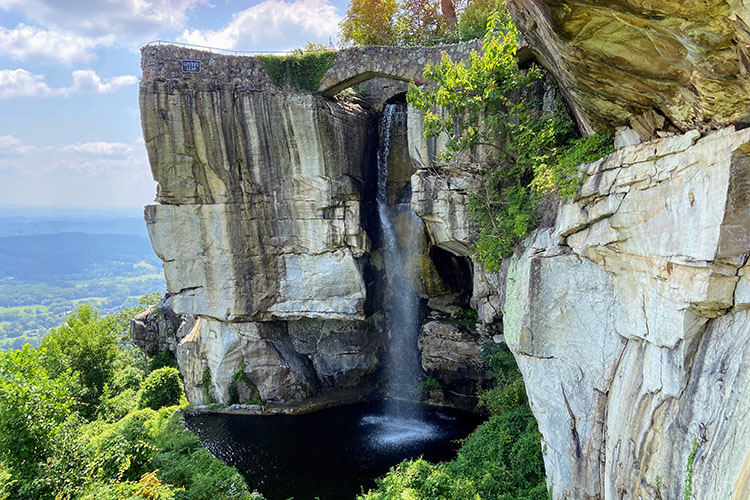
{"x": 124, "y": 18}
{"x": 21, "y": 83}
{"x": 96, "y": 158}
{"x": 10, "y": 144}
{"x": 272, "y": 25}
{"x": 85, "y": 173}
{"x": 88, "y": 82}
{"x": 24, "y": 42}
{"x": 99, "y": 148}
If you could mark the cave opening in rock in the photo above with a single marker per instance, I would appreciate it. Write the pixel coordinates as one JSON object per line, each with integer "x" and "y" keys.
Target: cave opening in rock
{"x": 399, "y": 98}
{"x": 455, "y": 272}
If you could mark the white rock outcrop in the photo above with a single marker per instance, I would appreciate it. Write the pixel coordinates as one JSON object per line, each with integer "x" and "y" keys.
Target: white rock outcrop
{"x": 260, "y": 224}
{"x": 629, "y": 320}
{"x": 260, "y": 214}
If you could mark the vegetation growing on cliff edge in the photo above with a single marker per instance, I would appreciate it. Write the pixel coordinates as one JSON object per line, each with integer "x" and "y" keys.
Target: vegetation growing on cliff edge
{"x": 70, "y": 429}
{"x": 500, "y": 460}
{"x": 480, "y": 103}
{"x": 302, "y": 71}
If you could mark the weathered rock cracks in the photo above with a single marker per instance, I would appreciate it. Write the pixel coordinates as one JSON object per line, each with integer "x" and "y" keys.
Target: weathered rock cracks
{"x": 629, "y": 317}
{"x": 629, "y": 320}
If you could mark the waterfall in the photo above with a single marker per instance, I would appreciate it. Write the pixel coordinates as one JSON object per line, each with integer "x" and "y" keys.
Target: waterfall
{"x": 402, "y": 317}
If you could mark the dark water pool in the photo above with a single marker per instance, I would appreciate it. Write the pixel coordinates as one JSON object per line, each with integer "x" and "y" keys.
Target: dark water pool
{"x": 332, "y": 453}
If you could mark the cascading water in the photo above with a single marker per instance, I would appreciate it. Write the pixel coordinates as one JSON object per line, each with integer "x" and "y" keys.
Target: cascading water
{"x": 399, "y": 424}
{"x": 335, "y": 453}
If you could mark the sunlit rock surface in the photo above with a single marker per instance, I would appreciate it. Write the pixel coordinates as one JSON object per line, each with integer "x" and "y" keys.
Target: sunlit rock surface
{"x": 629, "y": 322}
{"x": 645, "y": 63}
{"x": 261, "y": 209}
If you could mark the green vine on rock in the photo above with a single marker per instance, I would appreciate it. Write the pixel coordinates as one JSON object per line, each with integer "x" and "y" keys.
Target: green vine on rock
{"x": 687, "y": 494}
{"x": 298, "y": 71}
{"x": 530, "y": 151}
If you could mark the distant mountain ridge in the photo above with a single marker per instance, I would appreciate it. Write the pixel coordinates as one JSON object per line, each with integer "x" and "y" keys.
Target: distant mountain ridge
{"x": 74, "y": 256}
{"x": 18, "y": 220}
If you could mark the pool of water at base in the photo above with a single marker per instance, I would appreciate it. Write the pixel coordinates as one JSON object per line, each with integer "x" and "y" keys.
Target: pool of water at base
{"x": 332, "y": 454}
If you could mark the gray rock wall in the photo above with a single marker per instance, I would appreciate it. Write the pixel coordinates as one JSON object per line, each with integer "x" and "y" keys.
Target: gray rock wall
{"x": 629, "y": 320}
{"x": 260, "y": 223}
{"x": 259, "y": 193}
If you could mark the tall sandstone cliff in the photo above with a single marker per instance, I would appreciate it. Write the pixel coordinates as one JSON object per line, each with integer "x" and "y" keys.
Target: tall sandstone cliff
{"x": 265, "y": 223}
{"x": 629, "y": 317}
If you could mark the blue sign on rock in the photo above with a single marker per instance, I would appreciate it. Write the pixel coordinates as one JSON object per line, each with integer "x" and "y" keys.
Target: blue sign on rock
{"x": 191, "y": 66}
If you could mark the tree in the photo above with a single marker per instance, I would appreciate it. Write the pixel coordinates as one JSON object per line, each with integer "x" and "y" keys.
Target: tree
{"x": 370, "y": 22}
{"x": 89, "y": 345}
{"x": 33, "y": 409}
{"x": 418, "y": 22}
{"x": 449, "y": 12}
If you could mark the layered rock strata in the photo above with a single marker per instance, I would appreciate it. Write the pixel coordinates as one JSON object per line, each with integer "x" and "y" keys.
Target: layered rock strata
{"x": 629, "y": 321}
{"x": 265, "y": 200}
{"x": 260, "y": 222}
{"x": 452, "y": 356}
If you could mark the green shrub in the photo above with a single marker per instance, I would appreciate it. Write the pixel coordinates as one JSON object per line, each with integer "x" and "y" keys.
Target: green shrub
{"x": 114, "y": 407}
{"x": 148, "y": 487}
{"x": 129, "y": 377}
{"x": 166, "y": 358}
{"x": 6, "y": 483}
{"x": 33, "y": 409}
{"x": 479, "y": 103}
{"x": 421, "y": 480}
{"x": 298, "y": 71}
{"x": 430, "y": 383}
{"x": 161, "y": 388}
{"x": 240, "y": 380}
{"x": 687, "y": 493}
{"x": 206, "y": 387}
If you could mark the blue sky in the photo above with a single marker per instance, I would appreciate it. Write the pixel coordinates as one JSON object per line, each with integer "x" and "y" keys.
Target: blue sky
{"x": 70, "y": 129}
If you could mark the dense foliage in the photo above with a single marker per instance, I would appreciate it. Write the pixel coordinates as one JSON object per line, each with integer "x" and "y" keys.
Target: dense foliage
{"x": 414, "y": 22}
{"x": 70, "y": 429}
{"x": 530, "y": 150}
{"x": 302, "y": 71}
{"x": 162, "y": 387}
{"x": 500, "y": 460}
{"x": 370, "y": 22}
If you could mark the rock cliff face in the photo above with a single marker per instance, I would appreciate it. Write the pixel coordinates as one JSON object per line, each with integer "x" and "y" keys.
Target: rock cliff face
{"x": 628, "y": 316}
{"x": 260, "y": 221}
{"x": 650, "y": 64}
{"x": 265, "y": 225}
{"x": 628, "y": 320}
{"x": 276, "y": 176}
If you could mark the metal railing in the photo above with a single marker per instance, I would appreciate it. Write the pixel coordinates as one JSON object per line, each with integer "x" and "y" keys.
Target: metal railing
{"x": 220, "y": 50}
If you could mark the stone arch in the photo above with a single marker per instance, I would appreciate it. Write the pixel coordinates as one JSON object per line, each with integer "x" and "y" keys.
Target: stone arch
{"x": 358, "y": 64}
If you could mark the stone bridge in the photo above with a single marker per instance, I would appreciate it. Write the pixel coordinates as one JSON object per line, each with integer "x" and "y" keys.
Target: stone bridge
{"x": 357, "y": 64}
{"x": 203, "y": 69}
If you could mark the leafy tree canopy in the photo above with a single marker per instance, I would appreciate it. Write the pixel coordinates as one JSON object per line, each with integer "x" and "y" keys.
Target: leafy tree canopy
{"x": 415, "y": 22}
